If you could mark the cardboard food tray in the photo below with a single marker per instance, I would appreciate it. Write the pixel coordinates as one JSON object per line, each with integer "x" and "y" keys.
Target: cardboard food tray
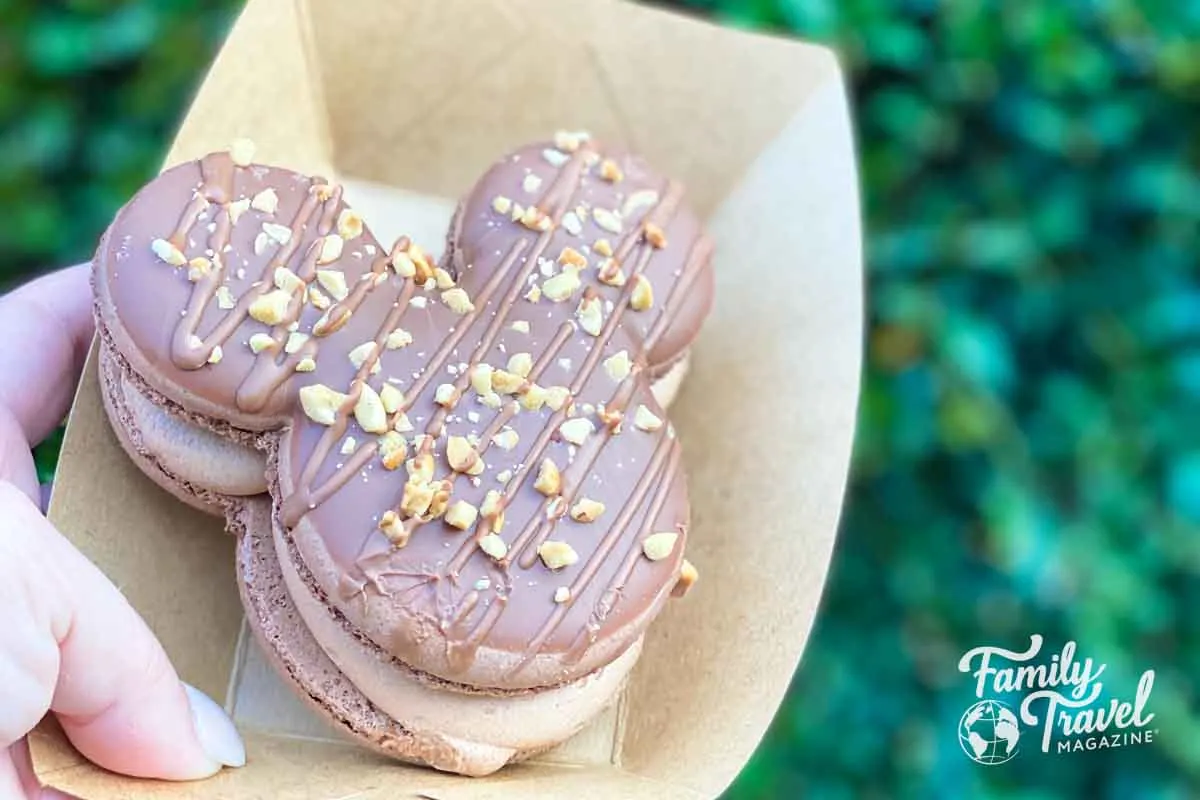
{"x": 423, "y": 96}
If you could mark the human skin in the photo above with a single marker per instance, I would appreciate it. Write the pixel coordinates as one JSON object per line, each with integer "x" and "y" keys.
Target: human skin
{"x": 70, "y": 643}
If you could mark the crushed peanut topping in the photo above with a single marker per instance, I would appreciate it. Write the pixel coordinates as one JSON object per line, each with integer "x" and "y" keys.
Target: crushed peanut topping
{"x": 392, "y": 398}
{"x": 368, "y": 411}
{"x": 520, "y": 364}
{"x": 393, "y": 528}
{"x": 461, "y": 515}
{"x": 608, "y": 220}
{"x": 260, "y": 342}
{"x": 168, "y": 252}
{"x": 591, "y": 318}
{"x": 587, "y": 510}
{"x": 561, "y": 286}
{"x": 359, "y": 356}
{"x": 646, "y": 420}
{"x": 225, "y": 299}
{"x": 295, "y": 341}
{"x": 494, "y": 546}
{"x": 458, "y": 301}
{"x": 334, "y": 282}
{"x": 446, "y": 395}
{"x": 506, "y": 439}
{"x": 272, "y": 307}
{"x": 611, "y": 171}
{"x": 618, "y": 366}
{"x": 265, "y": 201}
{"x": 321, "y": 404}
{"x": 577, "y": 430}
{"x": 658, "y": 546}
{"x": 501, "y": 204}
{"x": 462, "y": 457}
{"x": 557, "y": 554}
{"x": 643, "y": 296}
{"x": 571, "y": 256}
{"x": 349, "y": 224}
{"x": 241, "y": 152}
{"x": 398, "y": 338}
{"x": 549, "y": 479}
{"x": 393, "y": 449}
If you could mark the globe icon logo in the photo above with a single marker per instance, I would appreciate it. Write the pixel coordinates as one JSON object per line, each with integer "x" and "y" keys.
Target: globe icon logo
{"x": 988, "y": 732}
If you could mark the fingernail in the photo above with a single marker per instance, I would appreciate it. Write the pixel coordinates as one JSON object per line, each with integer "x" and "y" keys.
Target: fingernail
{"x": 215, "y": 730}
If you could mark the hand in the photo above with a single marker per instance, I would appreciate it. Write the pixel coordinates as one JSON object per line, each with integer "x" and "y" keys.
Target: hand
{"x": 69, "y": 641}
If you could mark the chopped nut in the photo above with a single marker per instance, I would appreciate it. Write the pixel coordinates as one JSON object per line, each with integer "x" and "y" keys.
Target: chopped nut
{"x": 557, "y": 554}
{"x": 462, "y": 457}
{"x": 491, "y": 504}
{"x": 610, "y": 273}
{"x": 501, "y": 204}
{"x": 168, "y": 252}
{"x": 216, "y": 355}
{"x": 494, "y": 546}
{"x": 349, "y": 446}
{"x": 458, "y": 301}
{"x": 644, "y": 198}
{"x": 295, "y": 341}
{"x": 417, "y": 497}
{"x": 573, "y": 257}
{"x": 265, "y": 201}
{"x": 646, "y": 420}
{"x": 404, "y": 266}
{"x": 237, "y": 208}
{"x": 318, "y": 299}
{"x": 331, "y": 322}
{"x": 361, "y": 354}
{"x": 349, "y": 224}
{"x": 643, "y": 295}
{"x": 562, "y": 594}
{"x": 520, "y": 364}
{"x": 306, "y": 365}
{"x": 610, "y": 171}
{"x": 570, "y": 141}
{"x": 225, "y": 299}
{"x": 444, "y": 281}
{"x": 402, "y": 423}
{"x": 561, "y": 286}
{"x": 260, "y": 342}
{"x": 506, "y": 439}
{"x": 321, "y": 403}
{"x": 504, "y": 476}
{"x": 658, "y": 546}
{"x": 516, "y": 212}
{"x": 520, "y": 326}
{"x": 393, "y": 398}
{"x": 608, "y": 220}
{"x": 481, "y": 378}
{"x": 368, "y": 411}
{"x": 533, "y": 397}
{"x": 555, "y": 158}
{"x": 261, "y": 243}
{"x": 398, "y": 338}
{"x": 587, "y": 510}
{"x": 241, "y": 151}
{"x": 461, "y": 515}
{"x": 330, "y": 248}
{"x": 287, "y": 280}
{"x": 534, "y": 294}
{"x": 441, "y": 498}
{"x": 272, "y": 307}
{"x": 334, "y": 282}
{"x": 572, "y": 224}
{"x": 549, "y": 479}
{"x": 490, "y": 399}
{"x": 531, "y": 183}
{"x": 506, "y": 382}
{"x": 655, "y": 235}
{"x": 557, "y": 396}
{"x": 603, "y": 247}
{"x": 618, "y": 366}
{"x": 198, "y": 268}
{"x": 577, "y": 430}
{"x": 446, "y": 395}
{"x": 688, "y": 575}
{"x": 276, "y": 232}
{"x": 536, "y": 220}
{"x": 420, "y": 467}
{"x": 556, "y": 508}
{"x": 393, "y": 528}
{"x": 591, "y": 318}
{"x": 611, "y": 419}
{"x": 393, "y": 449}
{"x": 322, "y": 191}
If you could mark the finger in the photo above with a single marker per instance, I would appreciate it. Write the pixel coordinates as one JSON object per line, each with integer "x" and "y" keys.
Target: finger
{"x": 71, "y": 643}
{"x": 45, "y": 331}
{"x": 13, "y": 785}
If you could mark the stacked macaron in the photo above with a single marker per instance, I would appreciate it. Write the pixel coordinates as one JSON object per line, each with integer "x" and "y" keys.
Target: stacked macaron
{"x": 474, "y": 503}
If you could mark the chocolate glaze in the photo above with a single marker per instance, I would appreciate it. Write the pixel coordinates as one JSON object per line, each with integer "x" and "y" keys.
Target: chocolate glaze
{"x": 439, "y": 602}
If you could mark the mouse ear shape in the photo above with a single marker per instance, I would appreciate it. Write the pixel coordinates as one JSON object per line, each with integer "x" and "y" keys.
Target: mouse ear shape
{"x": 214, "y": 282}
{"x": 625, "y": 230}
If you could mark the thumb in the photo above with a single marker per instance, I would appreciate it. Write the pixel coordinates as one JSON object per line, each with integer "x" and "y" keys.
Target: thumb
{"x": 72, "y": 644}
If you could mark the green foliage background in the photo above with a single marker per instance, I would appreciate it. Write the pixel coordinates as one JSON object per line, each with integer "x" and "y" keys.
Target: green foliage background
{"x": 1027, "y": 458}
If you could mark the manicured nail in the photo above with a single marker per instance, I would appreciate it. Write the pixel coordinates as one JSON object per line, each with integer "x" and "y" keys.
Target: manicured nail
{"x": 215, "y": 730}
